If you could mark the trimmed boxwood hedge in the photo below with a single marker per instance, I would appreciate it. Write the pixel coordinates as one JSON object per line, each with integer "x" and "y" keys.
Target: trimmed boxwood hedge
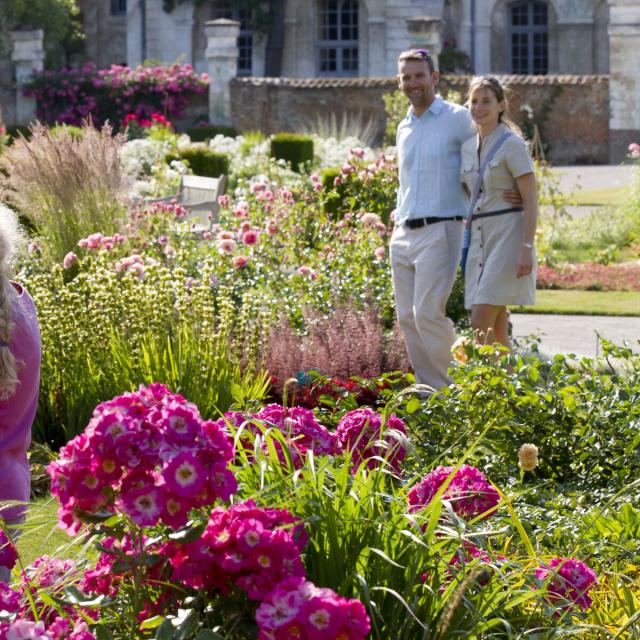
{"x": 204, "y": 133}
{"x": 292, "y": 147}
{"x": 202, "y": 160}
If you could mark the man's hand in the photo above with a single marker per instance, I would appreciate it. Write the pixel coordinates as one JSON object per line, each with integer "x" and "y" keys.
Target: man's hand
{"x": 513, "y": 197}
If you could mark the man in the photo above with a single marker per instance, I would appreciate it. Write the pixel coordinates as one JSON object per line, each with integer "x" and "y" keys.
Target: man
{"x": 427, "y": 239}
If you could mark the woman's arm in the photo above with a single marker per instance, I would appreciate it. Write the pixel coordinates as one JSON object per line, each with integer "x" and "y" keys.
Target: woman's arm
{"x": 527, "y": 187}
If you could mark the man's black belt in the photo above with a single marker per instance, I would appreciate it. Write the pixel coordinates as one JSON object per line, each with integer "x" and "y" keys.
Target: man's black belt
{"x": 498, "y": 212}
{"x": 416, "y": 223}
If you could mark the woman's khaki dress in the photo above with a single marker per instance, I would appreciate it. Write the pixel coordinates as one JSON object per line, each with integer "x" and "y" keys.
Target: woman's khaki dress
{"x": 490, "y": 276}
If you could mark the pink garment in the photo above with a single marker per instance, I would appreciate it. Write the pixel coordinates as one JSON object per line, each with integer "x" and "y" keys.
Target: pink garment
{"x": 17, "y": 412}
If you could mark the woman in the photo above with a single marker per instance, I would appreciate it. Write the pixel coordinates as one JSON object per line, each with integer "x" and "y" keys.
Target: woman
{"x": 500, "y": 268}
{"x": 19, "y": 378}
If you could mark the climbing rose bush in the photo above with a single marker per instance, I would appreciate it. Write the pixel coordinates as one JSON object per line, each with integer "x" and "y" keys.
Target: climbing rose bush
{"x": 70, "y": 95}
{"x": 469, "y": 492}
{"x": 147, "y": 454}
{"x": 298, "y": 609}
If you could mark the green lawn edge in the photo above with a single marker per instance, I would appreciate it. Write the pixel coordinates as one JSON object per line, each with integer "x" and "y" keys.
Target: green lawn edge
{"x": 590, "y": 303}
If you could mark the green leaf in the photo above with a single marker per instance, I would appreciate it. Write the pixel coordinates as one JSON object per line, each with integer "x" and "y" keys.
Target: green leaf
{"x": 152, "y": 623}
{"x": 207, "y": 634}
{"x": 413, "y": 405}
{"x": 188, "y": 626}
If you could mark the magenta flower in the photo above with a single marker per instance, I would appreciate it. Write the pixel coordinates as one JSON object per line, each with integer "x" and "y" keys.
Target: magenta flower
{"x": 567, "y": 581}
{"x": 69, "y": 259}
{"x": 184, "y": 475}
{"x": 469, "y": 492}
{"x": 364, "y": 434}
{"x": 8, "y": 553}
{"x": 298, "y": 609}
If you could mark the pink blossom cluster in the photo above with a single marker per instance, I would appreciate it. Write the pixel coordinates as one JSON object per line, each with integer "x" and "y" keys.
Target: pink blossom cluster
{"x": 154, "y": 119}
{"x": 16, "y": 613}
{"x": 133, "y": 263}
{"x": 301, "y": 429}
{"x": 59, "y": 629}
{"x": 368, "y": 437}
{"x": 8, "y": 553}
{"x": 147, "y": 454}
{"x": 634, "y": 150}
{"x": 97, "y": 241}
{"x": 469, "y": 492}
{"x": 590, "y": 276}
{"x": 246, "y": 546}
{"x": 297, "y": 609}
{"x": 567, "y": 582}
{"x": 70, "y": 95}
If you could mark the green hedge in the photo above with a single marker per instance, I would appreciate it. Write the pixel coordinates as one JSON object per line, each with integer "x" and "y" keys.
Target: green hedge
{"x": 292, "y": 147}
{"x": 15, "y": 130}
{"x": 202, "y": 160}
{"x": 204, "y": 133}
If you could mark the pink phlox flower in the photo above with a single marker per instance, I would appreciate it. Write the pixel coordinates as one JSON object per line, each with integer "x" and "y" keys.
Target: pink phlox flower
{"x": 469, "y": 492}
{"x": 8, "y": 552}
{"x": 9, "y": 598}
{"x": 240, "y": 262}
{"x": 568, "y": 581}
{"x": 184, "y": 475}
{"x": 361, "y": 433}
{"x": 250, "y": 237}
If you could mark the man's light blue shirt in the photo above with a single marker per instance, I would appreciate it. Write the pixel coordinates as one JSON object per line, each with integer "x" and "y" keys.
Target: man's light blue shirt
{"x": 428, "y": 149}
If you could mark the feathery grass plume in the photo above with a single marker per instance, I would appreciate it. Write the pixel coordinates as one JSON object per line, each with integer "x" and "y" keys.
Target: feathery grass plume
{"x": 70, "y": 186}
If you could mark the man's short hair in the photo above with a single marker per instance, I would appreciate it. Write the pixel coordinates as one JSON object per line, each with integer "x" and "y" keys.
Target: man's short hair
{"x": 417, "y": 54}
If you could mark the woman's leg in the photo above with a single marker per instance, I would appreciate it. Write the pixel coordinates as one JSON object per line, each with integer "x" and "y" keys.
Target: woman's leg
{"x": 490, "y": 323}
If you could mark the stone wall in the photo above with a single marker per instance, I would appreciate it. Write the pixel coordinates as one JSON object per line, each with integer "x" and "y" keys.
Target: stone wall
{"x": 572, "y": 112}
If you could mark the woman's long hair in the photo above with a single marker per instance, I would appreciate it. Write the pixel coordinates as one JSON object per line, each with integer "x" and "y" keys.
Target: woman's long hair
{"x": 493, "y": 84}
{"x": 10, "y": 240}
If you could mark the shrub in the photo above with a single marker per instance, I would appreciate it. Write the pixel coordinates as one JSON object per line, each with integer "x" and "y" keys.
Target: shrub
{"x": 294, "y": 148}
{"x": 204, "y": 133}
{"x": 16, "y": 130}
{"x": 70, "y": 95}
{"x": 202, "y": 160}
{"x": 69, "y": 186}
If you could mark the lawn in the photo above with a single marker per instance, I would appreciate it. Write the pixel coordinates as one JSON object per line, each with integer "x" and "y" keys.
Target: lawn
{"x": 603, "y": 303}
{"x": 599, "y": 197}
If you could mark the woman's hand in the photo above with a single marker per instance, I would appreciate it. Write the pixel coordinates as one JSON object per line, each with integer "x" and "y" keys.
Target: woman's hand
{"x": 525, "y": 261}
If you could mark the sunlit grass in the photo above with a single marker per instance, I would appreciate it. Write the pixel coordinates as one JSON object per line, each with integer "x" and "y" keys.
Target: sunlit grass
{"x": 605, "y": 303}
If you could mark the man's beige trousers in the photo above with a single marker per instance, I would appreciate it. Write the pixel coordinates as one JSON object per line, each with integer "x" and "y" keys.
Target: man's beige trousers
{"x": 424, "y": 262}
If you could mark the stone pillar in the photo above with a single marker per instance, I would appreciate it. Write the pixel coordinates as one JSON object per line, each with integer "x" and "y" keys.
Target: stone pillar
{"x": 624, "y": 83}
{"x": 222, "y": 57}
{"x": 576, "y": 49}
{"x": 425, "y": 32}
{"x": 28, "y": 56}
{"x": 377, "y": 50}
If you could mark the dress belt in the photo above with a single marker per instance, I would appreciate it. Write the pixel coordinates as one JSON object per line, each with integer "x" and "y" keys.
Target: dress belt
{"x": 498, "y": 212}
{"x": 416, "y": 223}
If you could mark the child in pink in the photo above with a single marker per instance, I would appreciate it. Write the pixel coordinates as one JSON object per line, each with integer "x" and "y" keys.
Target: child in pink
{"x": 19, "y": 375}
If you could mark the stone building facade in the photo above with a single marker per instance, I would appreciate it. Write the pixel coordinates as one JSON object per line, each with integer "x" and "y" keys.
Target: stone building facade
{"x": 362, "y": 37}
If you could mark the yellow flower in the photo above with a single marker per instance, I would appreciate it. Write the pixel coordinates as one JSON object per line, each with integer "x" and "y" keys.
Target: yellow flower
{"x": 528, "y": 457}
{"x": 459, "y": 350}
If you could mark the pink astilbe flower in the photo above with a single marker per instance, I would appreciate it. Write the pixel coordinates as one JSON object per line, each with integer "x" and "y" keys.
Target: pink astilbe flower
{"x": 245, "y": 546}
{"x": 469, "y": 492}
{"x": 148, "y": 454}
{"x": 297, "y": 609}
{"x": 567, "y": 582}
{"x": 361, "y": 433}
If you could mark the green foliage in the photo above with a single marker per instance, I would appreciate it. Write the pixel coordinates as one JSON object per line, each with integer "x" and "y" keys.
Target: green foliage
{"x": 60, "y": 20}
{"x": 453, "y": 60}
{"x": 395, "y": 106}
{"x": 202, "y": 160}
{"x": 294, "y": 148}
{"x": 16, "y": 130}
{"x": 204, "y": 133}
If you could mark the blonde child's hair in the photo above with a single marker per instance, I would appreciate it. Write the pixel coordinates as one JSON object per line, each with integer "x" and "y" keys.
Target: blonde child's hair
{"x": 10, "y": 241}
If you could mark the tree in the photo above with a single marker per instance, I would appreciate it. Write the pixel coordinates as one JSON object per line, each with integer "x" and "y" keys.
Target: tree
{"x": 60, "y": 20}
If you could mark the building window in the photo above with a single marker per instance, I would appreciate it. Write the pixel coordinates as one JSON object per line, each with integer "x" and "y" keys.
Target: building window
{"x": 338, "y": 38}
{"x": 118, "y": 7}
{"x": 528, "y": 38}
{"x": 245, "y": 38}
